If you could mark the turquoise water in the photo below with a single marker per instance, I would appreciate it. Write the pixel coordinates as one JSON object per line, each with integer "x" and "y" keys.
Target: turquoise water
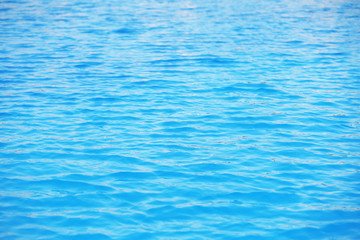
{"x": 180, "y": 119}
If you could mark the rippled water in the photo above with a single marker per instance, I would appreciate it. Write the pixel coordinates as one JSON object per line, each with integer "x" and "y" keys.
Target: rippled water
{"x": 180, "y": 119}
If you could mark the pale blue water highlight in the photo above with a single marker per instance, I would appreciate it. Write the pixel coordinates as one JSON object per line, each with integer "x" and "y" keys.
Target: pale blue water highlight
{"x": 179, "y": 119}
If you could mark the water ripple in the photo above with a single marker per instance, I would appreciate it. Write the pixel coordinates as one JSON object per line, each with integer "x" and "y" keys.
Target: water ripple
{"x": 179, "y": 120}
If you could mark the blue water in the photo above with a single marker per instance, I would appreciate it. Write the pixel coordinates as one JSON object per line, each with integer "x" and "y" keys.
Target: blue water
{"x": 182, "y": 119}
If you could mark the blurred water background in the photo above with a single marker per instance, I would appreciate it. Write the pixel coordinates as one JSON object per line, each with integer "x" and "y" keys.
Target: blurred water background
{"x": 187, "y": 119}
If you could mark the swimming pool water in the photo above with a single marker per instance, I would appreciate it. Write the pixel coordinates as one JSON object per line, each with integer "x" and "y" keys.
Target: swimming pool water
{"x": 180, "y": 119}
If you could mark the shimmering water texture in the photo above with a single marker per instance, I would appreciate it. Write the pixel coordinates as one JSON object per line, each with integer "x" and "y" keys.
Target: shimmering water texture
{"x": 180, "y": 119}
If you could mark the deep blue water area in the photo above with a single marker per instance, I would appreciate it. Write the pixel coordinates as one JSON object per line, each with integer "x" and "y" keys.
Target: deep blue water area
{"x": 187, "y": 119}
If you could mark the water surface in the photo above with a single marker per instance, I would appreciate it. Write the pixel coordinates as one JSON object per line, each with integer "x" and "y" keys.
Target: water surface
{"x": 179, "y": 119}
